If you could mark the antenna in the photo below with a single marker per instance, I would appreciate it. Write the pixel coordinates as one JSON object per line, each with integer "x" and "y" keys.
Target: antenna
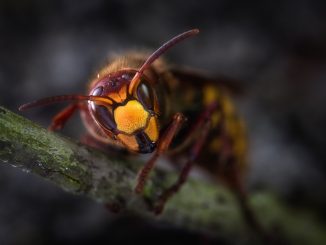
{"x": 161, "y": 50}
{"x": 64, "y": 98}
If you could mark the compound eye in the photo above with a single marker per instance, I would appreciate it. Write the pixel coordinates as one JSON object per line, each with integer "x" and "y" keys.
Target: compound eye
{"x": 105, "y": 117}
{"x": 145, "y": 95}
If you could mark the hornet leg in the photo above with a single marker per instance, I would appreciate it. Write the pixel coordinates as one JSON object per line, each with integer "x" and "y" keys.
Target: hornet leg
{"x": 204, "y": 125}
{"x": 162, "y": 147}
{"x": 62, "y": 117}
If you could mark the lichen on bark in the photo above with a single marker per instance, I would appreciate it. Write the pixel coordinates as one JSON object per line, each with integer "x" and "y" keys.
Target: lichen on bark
{"x": 110, "y": 179}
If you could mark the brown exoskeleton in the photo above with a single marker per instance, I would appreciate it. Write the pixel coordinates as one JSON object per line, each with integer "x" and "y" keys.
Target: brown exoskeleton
{"x": 141, "y": 104}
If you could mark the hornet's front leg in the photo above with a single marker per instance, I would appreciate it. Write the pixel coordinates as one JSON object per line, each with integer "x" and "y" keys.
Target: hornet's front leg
{"x": 162, "y": 147}
{"x": 203, "y": 125}
{"x": 60, "y": 119}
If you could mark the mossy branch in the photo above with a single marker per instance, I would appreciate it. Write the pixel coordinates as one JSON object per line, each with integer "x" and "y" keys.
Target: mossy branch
{"x": 110, "y": 179}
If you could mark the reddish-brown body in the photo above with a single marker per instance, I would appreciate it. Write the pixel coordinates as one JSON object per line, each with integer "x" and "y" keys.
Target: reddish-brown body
{"x": 145, "y": 106}
{"x": 224, "y": 148}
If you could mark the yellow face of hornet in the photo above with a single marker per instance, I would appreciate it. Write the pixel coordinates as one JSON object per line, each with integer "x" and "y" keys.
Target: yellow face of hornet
{"x": 130, "y": 118}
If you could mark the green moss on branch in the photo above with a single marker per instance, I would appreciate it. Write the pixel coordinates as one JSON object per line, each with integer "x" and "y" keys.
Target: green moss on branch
{"x": 111, "y": 178}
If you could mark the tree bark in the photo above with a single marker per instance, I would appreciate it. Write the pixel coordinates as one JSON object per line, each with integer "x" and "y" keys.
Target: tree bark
{"x": 110, "y": 179}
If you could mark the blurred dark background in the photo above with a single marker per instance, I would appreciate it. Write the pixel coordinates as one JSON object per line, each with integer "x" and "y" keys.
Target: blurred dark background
{"x": 277, "y": 49}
